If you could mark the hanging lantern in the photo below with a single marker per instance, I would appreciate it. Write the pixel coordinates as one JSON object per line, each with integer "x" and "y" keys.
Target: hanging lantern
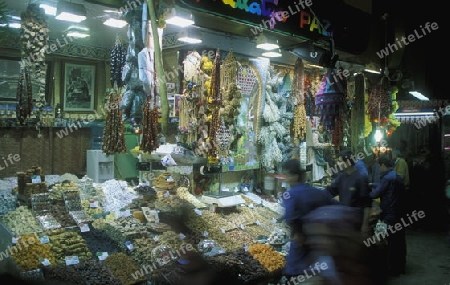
{"x": 330, "y": 99}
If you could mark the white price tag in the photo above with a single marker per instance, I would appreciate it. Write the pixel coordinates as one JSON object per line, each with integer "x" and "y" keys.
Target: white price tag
{"x": 242, "y": 226}
{"x": 258, "y": 223}
{"x": 156, "y": 238}
{"x": 93, "y": 204}
{"x": 166, "y": 194}
{"x": 221, "y": 251}
{"x": 44, "y": 239}
{"x": 129, "y": 245}
{"x": 84, "y": 228}
{"x": 245, "y": 247}
{"x": 274, "y": 220}
{"x": 182, "y": 236}
{"x": 226, "y": 189}
{"x": 198, "y": 212}
{"x": 236, "y": 189}
{"x": 71, "y": 260}
{"x": 102, "y": 255}
{"x": 15, "y": 240}
{"x": 44, "y": 261}
{"x": 36, "y": 179}
{"x": 205, "y": 234}
{"x": 251, "y": 205}
{"x": 223, "y": 230}
{"x": 284, "y": 184}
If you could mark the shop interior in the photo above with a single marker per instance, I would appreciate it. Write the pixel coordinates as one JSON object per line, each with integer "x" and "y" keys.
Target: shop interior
{"x": 129, "y": 140}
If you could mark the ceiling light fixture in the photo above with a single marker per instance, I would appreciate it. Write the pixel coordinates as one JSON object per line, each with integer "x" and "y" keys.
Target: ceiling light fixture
{"x": 70, "y": 12}
{"x": 49, "y": 10}
{"x": 263, "y": 43}
{"x": 14, "y": 25}
{"x": 77, "y": 32}
{"x": 272, "y": 54}
{"x": 419, "y": 96}
{"x": 189, "y": 37}
{"x": 178, "y": 18}
{"x": 115, "y": 23}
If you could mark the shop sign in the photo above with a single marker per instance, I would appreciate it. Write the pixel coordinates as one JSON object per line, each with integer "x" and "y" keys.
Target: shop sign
{"x": 350, "y": 27}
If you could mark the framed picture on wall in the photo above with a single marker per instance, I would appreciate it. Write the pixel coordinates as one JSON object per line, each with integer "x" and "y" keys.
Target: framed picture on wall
{"x": 78, "y": 87}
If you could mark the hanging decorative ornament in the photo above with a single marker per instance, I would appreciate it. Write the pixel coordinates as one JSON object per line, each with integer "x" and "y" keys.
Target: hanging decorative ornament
{"x": 223, "y": 137}
{"x": 380, "y": 104}
{"x": 330, "y": 99}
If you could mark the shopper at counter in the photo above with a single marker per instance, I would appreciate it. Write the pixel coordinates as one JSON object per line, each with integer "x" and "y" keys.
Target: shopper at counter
{"x": 391, "y": 191}
{"x": 298, "y": 201}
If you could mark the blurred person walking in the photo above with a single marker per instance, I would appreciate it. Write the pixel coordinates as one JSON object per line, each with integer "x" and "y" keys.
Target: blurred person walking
{"x": 391, "y": 191}
{"x": 298, "y": 201}
{"x": 401, "y": 166}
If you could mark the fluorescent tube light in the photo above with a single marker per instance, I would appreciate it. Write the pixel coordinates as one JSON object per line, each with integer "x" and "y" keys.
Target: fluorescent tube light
{"x": 372, "y": 71}
{"x": 49, "y": 10}
{"x": 179, "y": 21}
{"x": 419, "y": 96}
{"x": 14, "y": 25}
{"x": 267, "y": 46}
{"x": 414, "y": 114}
{"x": 115, "y": 23}
{"x": 64, "y": 16}
{"x": 189, "y": 40}
{"x": 76, "y": 34}
{"x": 272, "y": 54}
{"x": 70, "y": 12}
{"x": 263, "y": 43}
{"x": 179, "y": 18}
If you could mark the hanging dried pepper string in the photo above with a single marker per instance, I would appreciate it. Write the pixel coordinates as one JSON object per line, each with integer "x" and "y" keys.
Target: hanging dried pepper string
{"x": 149, "y": 140}
{"x": 113, "y": 133}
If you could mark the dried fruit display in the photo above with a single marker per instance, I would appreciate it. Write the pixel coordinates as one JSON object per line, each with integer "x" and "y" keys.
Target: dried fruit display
{"x": 267, "y": 256}
{"x": 124, "y": 268}
{"x": 67, "y": 243}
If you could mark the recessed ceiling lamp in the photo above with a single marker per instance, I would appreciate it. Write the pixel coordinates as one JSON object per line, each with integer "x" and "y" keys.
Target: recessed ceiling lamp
{"x": 179, "y": 18}
{"x": 272, "y": 54}
{"x": 70, "y": 12}
{"x": 189, "y": 37}
{"x": 263, "y": 43}
{"x": 14, "y": 25}
{"x": 419, "y": 96}
{"x": 49, "y": 10}
{"x": 115, "y": 23}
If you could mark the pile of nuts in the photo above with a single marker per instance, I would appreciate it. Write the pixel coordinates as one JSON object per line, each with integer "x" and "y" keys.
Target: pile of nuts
{"x": 256, "y": 230}
{"x": 240, "y": 239}
{"x": 183, "y": 193}
{"x": 124, "y": 268}
{"x": 98, "y": 241}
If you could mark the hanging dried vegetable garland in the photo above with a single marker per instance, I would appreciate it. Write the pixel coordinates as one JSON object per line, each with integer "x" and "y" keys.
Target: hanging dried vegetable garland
{"x": 113, "y": 134}
{"x": 297, "y": 92}
{"x": 380, "y": 105}
{"x": 24, "y": 96}
{"x": 187, "y": 125}
{"x": 299, "y": 123}
{"x": 34, "y": 44}
{"x": 215, "y": 100}
{"x": 150, "y": 123}
{"x": 223, "y": 139}
{"x": 118, "y": 59}
{"x": 298, "y": 100}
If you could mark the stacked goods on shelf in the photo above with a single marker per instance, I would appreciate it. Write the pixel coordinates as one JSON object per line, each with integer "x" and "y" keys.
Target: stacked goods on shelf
{"x": 30, "y": 182}
{"x": 334, "y": 231}
{"x": 125, "y": 229}
{"x": 164, "y": 181}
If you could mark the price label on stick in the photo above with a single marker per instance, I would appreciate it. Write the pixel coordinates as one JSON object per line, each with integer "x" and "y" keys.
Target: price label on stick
{"x": 84, "y": 228}
{"x": 198, "y": 212}
{"x": 44, "y": 261}
{"x": 93, "y": 204}
{"x": 102, "y": 255}
{"x": 44, "y": 239}
{"x": 72, "y": 260}
{"x": 129, "y": 245}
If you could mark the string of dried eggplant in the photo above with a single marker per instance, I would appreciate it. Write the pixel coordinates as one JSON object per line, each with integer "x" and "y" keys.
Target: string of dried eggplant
{"x": 150, "y": 130}
{"x": 24, "y": 96}
{"x": 113, "y": 134}
{"x": 299, "y": 123}
{"x": 357, "y": 112}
